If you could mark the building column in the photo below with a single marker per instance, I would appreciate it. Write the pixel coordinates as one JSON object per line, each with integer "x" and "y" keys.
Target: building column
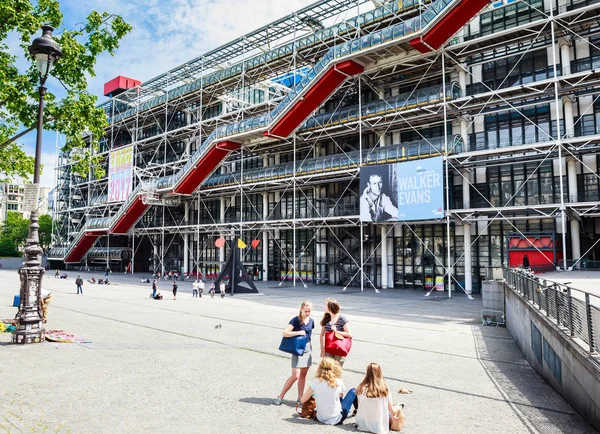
{"x": 221, "y": 220}
{"x": 186, "y": 239}
{"x": 265, "y": 240}
{"x": 569, "y": 119}
{"x": 574, "y": 223}
{"x": 462, "y": 81}
{"x": 384, "y": 258}
{"x": 466, "y": 184}
{"x": 565, "y": 55}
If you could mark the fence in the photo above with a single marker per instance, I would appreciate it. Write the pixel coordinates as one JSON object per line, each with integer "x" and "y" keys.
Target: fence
{"x": 576, "y": 312}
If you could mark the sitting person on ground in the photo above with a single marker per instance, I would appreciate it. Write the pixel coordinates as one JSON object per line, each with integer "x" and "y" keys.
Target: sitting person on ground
{"x": 328, "y": 389}
{"x": 158, "y": 296}
{"x": 374, "y": 402}
{"x": 64, "y": 276}
{"x": 92, "y": 280}
{"x": 46, "y": 297}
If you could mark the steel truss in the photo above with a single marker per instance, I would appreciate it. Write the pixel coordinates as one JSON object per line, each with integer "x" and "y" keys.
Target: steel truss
{"x": 165, "y": 135}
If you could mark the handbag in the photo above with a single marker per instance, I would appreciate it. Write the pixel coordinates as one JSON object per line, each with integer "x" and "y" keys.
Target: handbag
{"x": 294, "y": 345}
{"x": 337, "y": 344}
{"x": 309, "y": 409}
{"x": 397, "y": 418}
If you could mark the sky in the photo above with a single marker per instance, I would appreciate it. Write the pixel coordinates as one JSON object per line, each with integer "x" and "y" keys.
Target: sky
{"x": 165, "y": 34}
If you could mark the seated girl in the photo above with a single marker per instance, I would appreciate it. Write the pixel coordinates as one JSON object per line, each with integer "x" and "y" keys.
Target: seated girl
{"x": 328, "y": 389}
{"x": 374, "y": 402}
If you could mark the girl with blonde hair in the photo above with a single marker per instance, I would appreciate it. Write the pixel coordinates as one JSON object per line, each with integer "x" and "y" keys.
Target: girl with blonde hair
{"x": 374, "y": 402}
{"x": 335, "y": 322}
{"x": 301, "y": 325}
{"x": 328, "y": 389}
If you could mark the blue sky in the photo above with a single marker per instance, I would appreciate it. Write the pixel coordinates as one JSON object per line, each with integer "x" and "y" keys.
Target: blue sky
{"x": 165, "y": 34}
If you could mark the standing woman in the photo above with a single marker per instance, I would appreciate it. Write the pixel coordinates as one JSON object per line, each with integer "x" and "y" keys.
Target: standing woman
{"x": 301, "y": 325}
{"x": 334, "y": 322}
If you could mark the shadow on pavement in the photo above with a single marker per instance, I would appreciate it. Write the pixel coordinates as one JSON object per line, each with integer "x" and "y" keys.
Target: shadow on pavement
{"x": 530, "y": 397}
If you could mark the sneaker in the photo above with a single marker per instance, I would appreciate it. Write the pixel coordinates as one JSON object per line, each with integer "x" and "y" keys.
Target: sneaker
{"x": 377, "y": 291}
{"x": 277, "y": 401}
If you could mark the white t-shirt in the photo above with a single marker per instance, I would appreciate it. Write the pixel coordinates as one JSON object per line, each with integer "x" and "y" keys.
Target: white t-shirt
{"x": 195, "y": 285}
{"x": 329, "y": 406}
{"x": 201, "y": 285}
{"x": 372, "y": 414}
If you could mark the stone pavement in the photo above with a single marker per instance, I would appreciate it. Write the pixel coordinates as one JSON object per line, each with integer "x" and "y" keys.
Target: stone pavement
{"x": 162, "y": 366}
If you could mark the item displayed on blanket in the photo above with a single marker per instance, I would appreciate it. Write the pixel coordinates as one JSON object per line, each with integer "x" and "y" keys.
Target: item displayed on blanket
{"x": 64, "y": 337}
{"x": 294, "y": 345}
{"x": 337, "y": 344}
{"x": 397, "y": 418}
{"x": 309, "y": 409}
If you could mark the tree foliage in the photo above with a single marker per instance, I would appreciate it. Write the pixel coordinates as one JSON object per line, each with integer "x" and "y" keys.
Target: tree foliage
{"x": 45, "y": 231}
{"x": 75, "y": 115}
{"x": 14, "y": 232}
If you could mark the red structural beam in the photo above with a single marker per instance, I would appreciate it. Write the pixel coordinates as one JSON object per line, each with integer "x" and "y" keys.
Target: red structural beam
{"x": 205, "y": 167}
{"x": 448, "y": 25}
{"x": 77, "y": 254}
{"x": 129, "y": 217}
{"x": 313, "y": 98}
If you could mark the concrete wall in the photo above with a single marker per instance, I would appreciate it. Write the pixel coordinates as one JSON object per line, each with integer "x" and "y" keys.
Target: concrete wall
{"x": 580, "y": 373}
{"x": 16, "y": 263}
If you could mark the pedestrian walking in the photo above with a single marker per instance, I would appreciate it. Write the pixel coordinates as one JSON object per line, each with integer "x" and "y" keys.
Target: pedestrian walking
{"x": 195, "y": 288}
{"x": 200, "y": 287}
{"x": 212, "y": 290}
{"x": 56, "y": 274}
{"x": 154, "y": 289}
{"x": 334, "y": 322}
{"x": 106, "y": 271}
{"x": 301, "y": 325}
{"x": 222, "y": 289}
{"x": 174, "y": 290}
{"x": 79, "y": 283}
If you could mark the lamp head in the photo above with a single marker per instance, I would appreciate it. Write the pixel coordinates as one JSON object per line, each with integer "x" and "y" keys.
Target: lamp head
{"x": 45, "y": 50}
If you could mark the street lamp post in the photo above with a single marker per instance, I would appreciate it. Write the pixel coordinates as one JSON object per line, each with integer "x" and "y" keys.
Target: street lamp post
{"x": 29, "y": 328}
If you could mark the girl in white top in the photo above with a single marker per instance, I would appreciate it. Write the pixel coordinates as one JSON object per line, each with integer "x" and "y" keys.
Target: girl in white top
{"x": 374, "y": 402}
{"x": 328, "y": 389}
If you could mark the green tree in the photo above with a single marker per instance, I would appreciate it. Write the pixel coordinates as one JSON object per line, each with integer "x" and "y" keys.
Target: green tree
{"x": 15, "y": 229}
{"x": 75, "y": 115}
{"x": 45, "y": 222}
{"x": 7, "y": 248}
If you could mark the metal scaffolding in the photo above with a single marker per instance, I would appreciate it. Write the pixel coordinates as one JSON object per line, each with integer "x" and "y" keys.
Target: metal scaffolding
{"x": 299, "y": 194}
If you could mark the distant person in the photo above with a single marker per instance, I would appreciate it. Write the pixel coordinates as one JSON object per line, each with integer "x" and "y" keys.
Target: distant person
{"x": 92, "y": 280}
{"x": 375, "y": 206}
{"x": 212, "y": 290}
{"x": 222, "y": 289}
{"x": 107, "y": 271}
{"x": 195, "y": 288}
{"x": 154, "y": 289}
{"x": 526, "y": 262}
{"x": 328, "y": 389}
{"x": 158, "y": 296}
{"x": 174, "y": 290}
{"x": 200, "y": 287}
{"x": 79, "y": 284}
{"x": 56, "y": 274}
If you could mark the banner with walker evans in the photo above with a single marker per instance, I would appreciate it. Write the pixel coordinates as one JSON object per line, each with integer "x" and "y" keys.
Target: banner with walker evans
{"x": 411, "y": 190}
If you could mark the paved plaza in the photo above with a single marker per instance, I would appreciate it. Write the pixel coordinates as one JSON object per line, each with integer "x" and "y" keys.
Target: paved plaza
{"x": 163, "y": 366}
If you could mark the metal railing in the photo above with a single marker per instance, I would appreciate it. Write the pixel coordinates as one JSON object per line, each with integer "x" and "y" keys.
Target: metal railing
{"x": 575, "y": 312}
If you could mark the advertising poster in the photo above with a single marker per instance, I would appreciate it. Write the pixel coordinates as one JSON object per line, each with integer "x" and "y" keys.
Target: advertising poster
{"x": 412, "y": 190}
{"x": 120, "y": 174}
